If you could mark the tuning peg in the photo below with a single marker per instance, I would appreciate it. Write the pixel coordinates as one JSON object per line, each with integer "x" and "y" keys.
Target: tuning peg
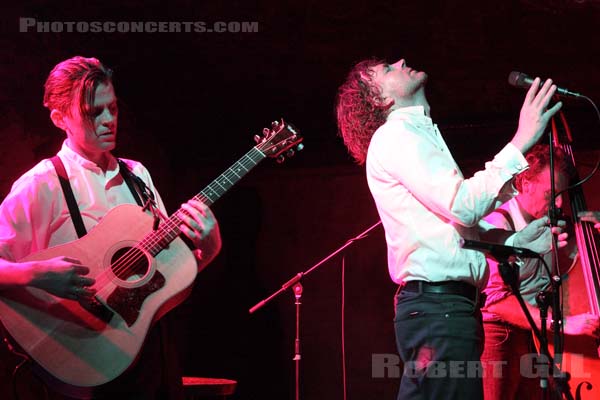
{"x": 290, "y": 153}
{"x": 266, "y": 132}
{"x": 280, "y": 159}
{"x": 274, "y": 124}
{"x": 299, "y": 147}
{"x": 257, "y": 138}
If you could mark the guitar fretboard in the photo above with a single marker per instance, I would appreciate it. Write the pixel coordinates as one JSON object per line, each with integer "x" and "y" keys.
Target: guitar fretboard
{"x": 168, "y": 230}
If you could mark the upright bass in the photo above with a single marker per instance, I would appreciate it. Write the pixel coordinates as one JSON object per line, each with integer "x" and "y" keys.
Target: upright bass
{"x": 581, "y": 286}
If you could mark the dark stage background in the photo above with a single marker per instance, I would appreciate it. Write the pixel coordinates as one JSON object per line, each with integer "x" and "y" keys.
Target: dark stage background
{"x": 191, "y": 102}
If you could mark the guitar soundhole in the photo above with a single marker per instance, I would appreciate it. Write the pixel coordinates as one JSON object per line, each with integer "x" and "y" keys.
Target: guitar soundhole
{"x": 129, "y": 264}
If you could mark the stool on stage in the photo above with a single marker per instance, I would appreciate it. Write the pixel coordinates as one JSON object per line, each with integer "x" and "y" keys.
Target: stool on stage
{"x": 197, "y": 388}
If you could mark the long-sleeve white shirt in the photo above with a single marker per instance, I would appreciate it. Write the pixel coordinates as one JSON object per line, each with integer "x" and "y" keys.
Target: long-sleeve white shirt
{"x": 425, "y": 203}
{"x": 34, "y": 215}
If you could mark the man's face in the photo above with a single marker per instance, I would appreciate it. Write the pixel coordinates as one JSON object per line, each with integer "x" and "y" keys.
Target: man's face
{"x": 535, "y": 196}
{"x": 398, "y": 81}
{"x": 98, "y": 135}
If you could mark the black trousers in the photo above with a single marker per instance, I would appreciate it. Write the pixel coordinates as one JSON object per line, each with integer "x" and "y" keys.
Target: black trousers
{"x": 440, "y": 341}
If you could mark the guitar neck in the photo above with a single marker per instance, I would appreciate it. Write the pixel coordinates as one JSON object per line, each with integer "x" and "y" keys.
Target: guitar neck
{"x": 217, "y": 188}
{"x": 168, "y": 230}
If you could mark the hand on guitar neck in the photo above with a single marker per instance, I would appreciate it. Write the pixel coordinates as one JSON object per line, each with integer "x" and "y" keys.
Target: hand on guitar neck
{"x": 201, "y": 227}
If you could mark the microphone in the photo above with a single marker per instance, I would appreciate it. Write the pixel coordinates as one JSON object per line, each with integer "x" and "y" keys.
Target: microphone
{"x": 498, "y": 251}
{"x": 519, "y": 79}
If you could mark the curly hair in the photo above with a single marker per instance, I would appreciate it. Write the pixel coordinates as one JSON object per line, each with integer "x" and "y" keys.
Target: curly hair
{"x": 538, "y": 159}
{"x": 360, "y": 109}
{"x": 78, "y": 77}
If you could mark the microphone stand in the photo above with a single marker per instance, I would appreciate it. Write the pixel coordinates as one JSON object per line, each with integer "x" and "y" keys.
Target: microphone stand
{"x": 555, "y": 279}
{"x": 543, "y": 301}
{"x": 510, "y": 276}
{"x": 294, "y": 283}
{"x": 555, "y": 276}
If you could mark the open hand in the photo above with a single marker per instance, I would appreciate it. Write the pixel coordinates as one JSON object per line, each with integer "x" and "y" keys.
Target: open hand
{"x": 535, "y": 115}
{"x": 62, "y": 277}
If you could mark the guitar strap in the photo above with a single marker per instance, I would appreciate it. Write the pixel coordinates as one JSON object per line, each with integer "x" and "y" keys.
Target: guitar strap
{"x": 139, "y": 188}
{"x": 133, "y": 182}
{"x": 69, "y": 197}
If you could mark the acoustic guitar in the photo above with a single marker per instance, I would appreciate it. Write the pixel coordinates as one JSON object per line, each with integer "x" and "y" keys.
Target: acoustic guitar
{"x": 140, "y": 274}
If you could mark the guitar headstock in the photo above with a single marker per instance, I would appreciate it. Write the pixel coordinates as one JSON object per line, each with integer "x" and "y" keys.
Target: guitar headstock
{"x": 279, "y": 142}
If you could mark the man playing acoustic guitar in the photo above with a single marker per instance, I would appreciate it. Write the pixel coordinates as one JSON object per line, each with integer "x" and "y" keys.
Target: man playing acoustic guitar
{"x": 35, "y": 216}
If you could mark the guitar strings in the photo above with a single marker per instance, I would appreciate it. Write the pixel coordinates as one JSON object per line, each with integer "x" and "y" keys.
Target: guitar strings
{"x": 154, "y": 239}
{"x": 149, "y": 243}
{"x": 128, "y": 262}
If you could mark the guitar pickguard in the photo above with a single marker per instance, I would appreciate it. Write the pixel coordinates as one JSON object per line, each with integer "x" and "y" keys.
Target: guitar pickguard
{"x": 99, "y": 310}
{"x": 128, "y": 302}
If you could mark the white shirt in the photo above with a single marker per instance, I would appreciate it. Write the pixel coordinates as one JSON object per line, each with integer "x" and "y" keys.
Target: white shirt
{"x": 35, "y": 216}
{"x": 425, "y": 203}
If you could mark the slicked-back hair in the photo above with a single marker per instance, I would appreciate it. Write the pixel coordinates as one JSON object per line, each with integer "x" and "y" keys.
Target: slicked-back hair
{"x": 75, "y": 79}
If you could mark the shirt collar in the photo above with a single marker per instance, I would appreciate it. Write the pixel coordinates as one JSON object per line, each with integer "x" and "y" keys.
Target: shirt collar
{"x": 71, "y": 155}
{"x": 408, "y": 113}
{"x": 414, "y": 115}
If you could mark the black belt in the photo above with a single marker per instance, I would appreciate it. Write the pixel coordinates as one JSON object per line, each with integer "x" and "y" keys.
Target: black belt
{"x": 447, "y": 287}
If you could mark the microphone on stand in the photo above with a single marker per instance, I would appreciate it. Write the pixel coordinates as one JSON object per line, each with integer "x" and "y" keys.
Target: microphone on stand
{"x": 521, "y": 80}
{"x": 498, "y": 251}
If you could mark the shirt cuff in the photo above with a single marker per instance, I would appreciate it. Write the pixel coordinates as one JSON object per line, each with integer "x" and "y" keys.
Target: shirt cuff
{"x": 512, "y": 159}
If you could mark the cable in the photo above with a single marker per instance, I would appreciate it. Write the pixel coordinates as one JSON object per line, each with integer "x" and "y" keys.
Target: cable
{"x": 596, "y": 167}
{"x": 24, "y": 358}
{"x": 343, "y": 306}
{"x": 344, "y": 381}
